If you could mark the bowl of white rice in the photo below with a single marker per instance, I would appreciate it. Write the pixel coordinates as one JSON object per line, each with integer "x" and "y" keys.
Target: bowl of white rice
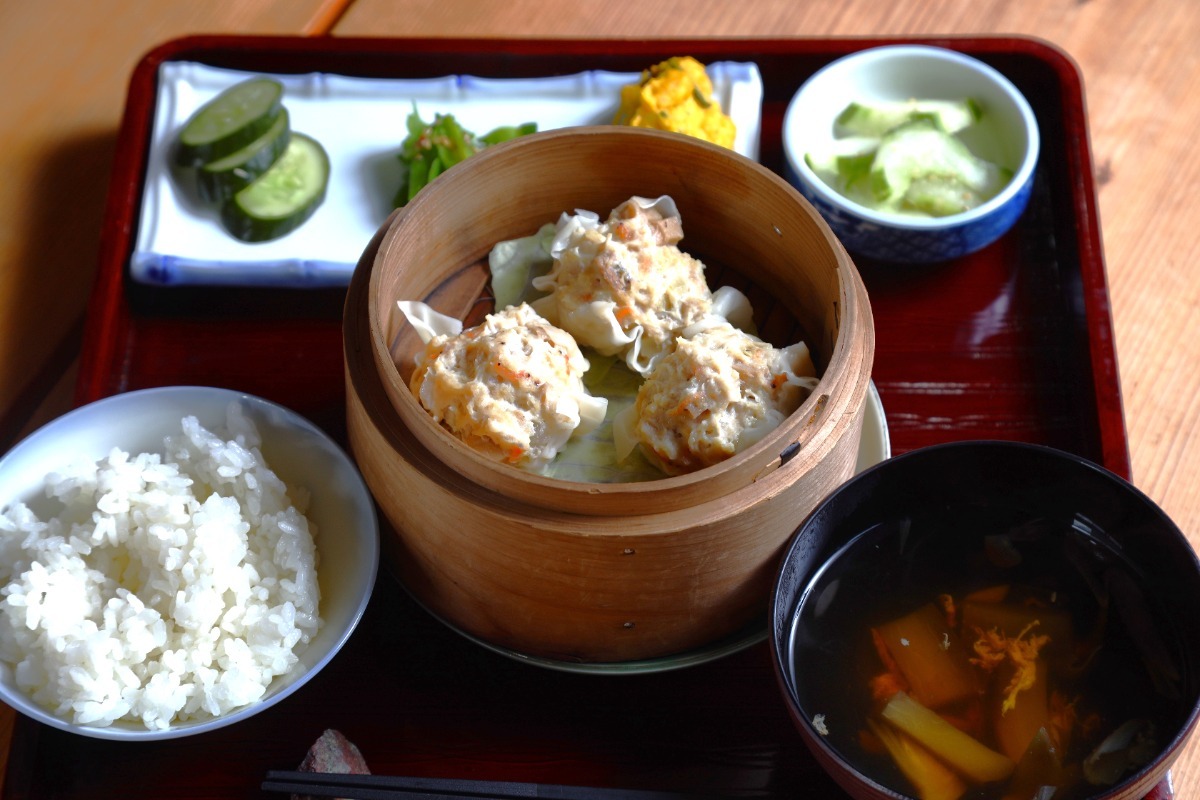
{"x": 174, "y": 560}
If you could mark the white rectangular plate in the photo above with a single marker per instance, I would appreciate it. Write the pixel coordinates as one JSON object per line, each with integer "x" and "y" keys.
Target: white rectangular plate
{"x": 361, "y": 123}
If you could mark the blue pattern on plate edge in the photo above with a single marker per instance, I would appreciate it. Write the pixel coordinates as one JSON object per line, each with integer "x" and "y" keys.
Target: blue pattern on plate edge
{"x": 167, "y": 270}
{"x": 179, "y": 242}
{"x": 907, "y": 246}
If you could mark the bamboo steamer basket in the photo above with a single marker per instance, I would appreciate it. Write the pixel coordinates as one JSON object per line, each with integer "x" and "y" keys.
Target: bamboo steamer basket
{"x": 585, "y": 572}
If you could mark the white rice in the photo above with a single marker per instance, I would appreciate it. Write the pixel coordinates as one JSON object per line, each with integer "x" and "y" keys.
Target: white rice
{"x": 166, "y": 587}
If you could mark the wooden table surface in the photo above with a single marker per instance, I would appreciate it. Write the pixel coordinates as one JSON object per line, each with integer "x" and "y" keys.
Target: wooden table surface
{"x": 68, "y": 65}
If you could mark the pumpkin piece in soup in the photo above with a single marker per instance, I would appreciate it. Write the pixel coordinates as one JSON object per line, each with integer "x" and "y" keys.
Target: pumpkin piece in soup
{"x": 1010, "y": 618}
{"x": 928, "y": 658}
{"x": 990, "y": 594}
{"x": 676, "y": 95}
{"x": 1016, "y": 728}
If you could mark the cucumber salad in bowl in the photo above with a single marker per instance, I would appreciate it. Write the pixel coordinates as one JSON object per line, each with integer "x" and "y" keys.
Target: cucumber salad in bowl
{"x": 912, "y": 154}
{"x": 904, "y": 157}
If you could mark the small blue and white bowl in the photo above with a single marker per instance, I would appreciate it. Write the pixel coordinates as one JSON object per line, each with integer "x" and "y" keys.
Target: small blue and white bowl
{"x": 1006, "y": 135}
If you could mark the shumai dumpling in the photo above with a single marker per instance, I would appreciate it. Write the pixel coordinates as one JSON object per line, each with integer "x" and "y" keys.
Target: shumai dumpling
{"x": 510, "y": 387}
{"x": 717, "y": 393}
{"x": 622, "y": 286}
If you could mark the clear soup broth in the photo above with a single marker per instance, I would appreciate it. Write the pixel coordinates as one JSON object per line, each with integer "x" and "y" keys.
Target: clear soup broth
{"x": 974, "y": 656}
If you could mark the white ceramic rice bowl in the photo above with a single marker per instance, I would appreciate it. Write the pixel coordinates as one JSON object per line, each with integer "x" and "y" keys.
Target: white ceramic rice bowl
{"x": 299, "y": 452}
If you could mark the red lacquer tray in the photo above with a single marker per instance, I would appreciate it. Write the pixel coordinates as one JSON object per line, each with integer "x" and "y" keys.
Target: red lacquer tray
{"x": 1014, "y": 342}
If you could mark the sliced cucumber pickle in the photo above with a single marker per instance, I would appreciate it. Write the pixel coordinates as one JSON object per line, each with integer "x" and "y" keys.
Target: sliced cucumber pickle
{"x": 876, "y": 119}
{"x": 940, "y": 195}
{"x": 219, "y": 180}
{"x": 845, "y": 162}
{"x": 283, "y": 197}
{"x": 230, "y": 121}
{"x": 906, "y": 157}
{"x": 922, "y": 167}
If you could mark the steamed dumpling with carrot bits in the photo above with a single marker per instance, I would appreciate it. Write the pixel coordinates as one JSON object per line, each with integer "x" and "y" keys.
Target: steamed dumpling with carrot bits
{"x": 716, "y": 394}
{"x": 623, "y": 287}
{"x": 511, "y": 387}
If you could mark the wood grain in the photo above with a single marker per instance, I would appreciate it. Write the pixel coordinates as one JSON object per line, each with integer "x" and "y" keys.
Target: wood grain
{"x": 671, "y": 564}
{"x": 462, "y": 216}
{"x": 68, "y": 65}
{"x": 1139, "y": 60}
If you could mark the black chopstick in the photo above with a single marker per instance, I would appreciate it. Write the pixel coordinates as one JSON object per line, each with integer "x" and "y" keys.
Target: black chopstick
{"x": 386, "y": 787}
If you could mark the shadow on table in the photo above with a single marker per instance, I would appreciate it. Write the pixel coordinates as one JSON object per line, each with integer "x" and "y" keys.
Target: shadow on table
{"x": 55, "y": 252}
